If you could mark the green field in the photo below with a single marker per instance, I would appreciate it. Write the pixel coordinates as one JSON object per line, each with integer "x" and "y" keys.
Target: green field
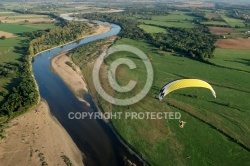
{"x": 7, "y": 14}
{"x": 204, "y": 139}
{"x": 175, "y": 16}
{"x": 232, "y": 21}
{"x": 40, "y": 26}
{"x": 175, "y": 19}
{"x": 214, "y": 23}
{"x": 181, "y": 24}
{"x": 16, "y": 28}
{"x": 233, "y": 58}
{"x": 152, "y": 29}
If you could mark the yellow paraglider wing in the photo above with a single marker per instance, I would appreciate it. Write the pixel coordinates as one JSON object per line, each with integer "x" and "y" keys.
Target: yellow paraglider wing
{"x": 184, "y": 83}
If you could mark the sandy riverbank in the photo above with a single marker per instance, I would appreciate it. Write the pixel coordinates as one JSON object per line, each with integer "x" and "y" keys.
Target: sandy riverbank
{"x": 37, "y": 137}
{"x": 72, "y": 75}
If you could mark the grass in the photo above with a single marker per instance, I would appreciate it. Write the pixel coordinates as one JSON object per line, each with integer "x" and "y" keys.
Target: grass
{"x": 40, "y": 26}
{"x": 233, "y": 21}
{"x": 152, "y": 29}
{"x": 214, "y": 23}
{"x": 175, "y": 19}
{"x": 204, "y": 140}
{"x": 16, "y": 28}
{"x": 181, "y": 16}
{"x": 234, "y": 58}
{"x": 181, "y": 24}
{"x": 7, "y": 14}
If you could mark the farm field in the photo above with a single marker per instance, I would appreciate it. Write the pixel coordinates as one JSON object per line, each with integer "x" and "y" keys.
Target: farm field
{"x": 210, "y": 15}
{"x": 20, "y": 18}
{"x": 192, "y": 4}
{"x": 18, "y": 29}
{"x": 152, "y": 29}
{"x": 182, "y": 24}
{"x": 232, "y": 21}
{"x": 214, "y": 23}
{"x": 162, "y": 141}
{"x": 233, "y": 58}
{"x": 237, "y": 43}
{"x": 221, "y": 30}
{"x": 175, "y": 16}
{"x": 175, "y": 19}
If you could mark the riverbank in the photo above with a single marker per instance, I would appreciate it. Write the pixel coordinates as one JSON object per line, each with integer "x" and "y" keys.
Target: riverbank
{"x": 97, "y": 31}
{"x": 69, "y": 72}
{"x": 31, "y": 140}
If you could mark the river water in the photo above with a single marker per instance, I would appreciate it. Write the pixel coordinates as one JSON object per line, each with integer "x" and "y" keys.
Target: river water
{"x": 93, "y": 137}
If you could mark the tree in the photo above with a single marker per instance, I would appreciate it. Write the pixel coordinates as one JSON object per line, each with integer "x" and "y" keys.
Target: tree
{"x": 3, "y": 37}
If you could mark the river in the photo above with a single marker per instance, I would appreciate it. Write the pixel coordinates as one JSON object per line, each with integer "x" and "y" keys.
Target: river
{"x": 93, "y": 137}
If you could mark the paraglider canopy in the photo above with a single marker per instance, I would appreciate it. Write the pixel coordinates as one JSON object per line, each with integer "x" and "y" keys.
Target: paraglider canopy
{"x": 184, "y": 83}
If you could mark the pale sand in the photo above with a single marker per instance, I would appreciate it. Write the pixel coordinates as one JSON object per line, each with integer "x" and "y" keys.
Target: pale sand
{"x": 37, "y": 132}
{"x": 73, "y": 76}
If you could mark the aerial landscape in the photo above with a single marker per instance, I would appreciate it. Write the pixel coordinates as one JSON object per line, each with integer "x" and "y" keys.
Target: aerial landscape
{"x": 124, "y": 83}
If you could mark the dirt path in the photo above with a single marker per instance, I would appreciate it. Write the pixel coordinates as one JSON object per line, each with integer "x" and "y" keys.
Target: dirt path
{"x": 36, "y": 137}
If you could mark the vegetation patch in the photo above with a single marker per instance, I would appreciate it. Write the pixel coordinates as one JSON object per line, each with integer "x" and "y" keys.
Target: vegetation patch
{"x": 152, "y": 29}
{"x": 233, "y": 58}
{"x": 66, "y": 160}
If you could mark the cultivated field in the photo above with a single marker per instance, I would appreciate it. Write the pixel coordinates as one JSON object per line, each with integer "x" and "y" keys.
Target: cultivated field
{"x": 238, "y": 43}
{"x": 212, "y": 16}
{"x": 221, "y": 30}
{"x": 232, "y": 58}
{"x": 175, "y": 19}
{"x": 152, "y": 29}
{"x": 20, "y": 28}
{"x": 18, "y": 18}
{"x": 214, "y": 23}
{"x": 195, "y": 4}
{"x": 233, "y": 22}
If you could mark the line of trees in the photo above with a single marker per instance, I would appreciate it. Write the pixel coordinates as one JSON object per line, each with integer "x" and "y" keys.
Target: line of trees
{"x": 129, "y": 27}
{"x": 197, "y": 43}
{"x": 24, "y": 94}
{"x": 68, "y": 31}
